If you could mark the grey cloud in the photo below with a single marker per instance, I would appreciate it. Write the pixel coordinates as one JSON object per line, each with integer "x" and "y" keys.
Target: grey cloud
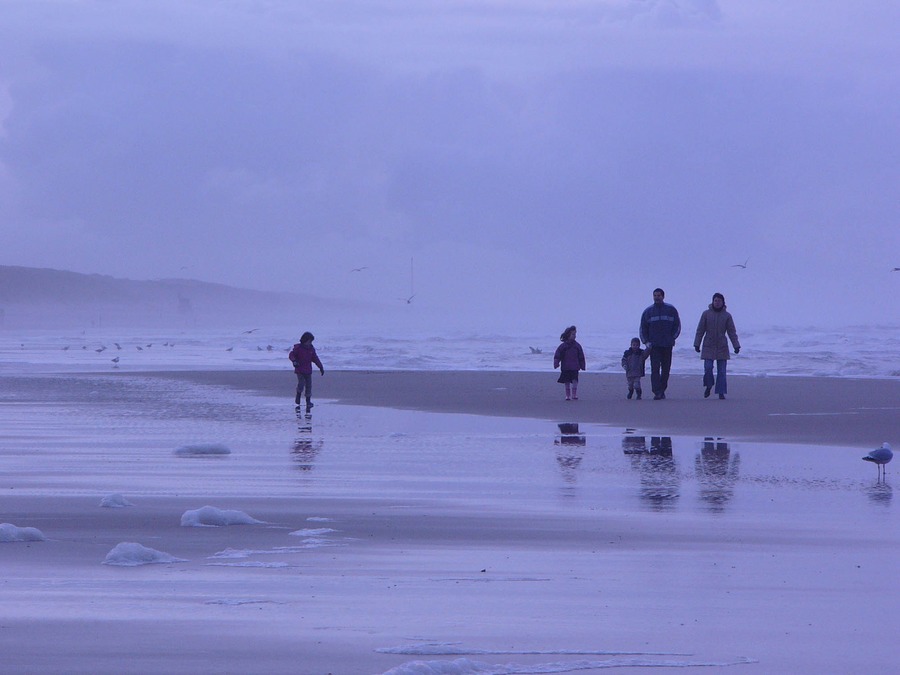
{"x": 500, "y": 150}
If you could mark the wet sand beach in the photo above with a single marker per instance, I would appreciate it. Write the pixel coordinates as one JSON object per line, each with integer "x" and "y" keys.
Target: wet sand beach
{"x": 829, "y": 411}
{"x": 414, "y": 537}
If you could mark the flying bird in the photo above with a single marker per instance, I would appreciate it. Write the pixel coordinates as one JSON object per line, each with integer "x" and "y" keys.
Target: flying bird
{"x": 252, "y": 330}
{"x": 115, "y": 360}
{"x": 229, "y": 349}
{"x": 896, "y": 269}
{"x": 880, "y": 456}
{"x": 744, "y": 266}
{"x": 359, "y": 269}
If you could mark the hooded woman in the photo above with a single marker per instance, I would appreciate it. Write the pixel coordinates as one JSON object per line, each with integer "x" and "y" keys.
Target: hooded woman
{"x": 711, "y": 341}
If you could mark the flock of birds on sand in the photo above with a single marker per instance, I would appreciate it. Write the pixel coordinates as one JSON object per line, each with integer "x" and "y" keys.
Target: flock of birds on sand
{"x": 115, "y": 360}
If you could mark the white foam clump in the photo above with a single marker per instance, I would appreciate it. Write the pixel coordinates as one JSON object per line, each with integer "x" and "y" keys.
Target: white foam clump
{"x": 10, "y": 533}
{"x": 202, "y": 449}
{"x": 313, "y": 532}
{"x": 210, "y": 516}
{"x": 130, "y": 554}
{"x": 115, "y": 501}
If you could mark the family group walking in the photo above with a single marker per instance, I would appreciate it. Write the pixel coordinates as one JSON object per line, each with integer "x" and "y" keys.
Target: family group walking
{"x": 660, "y": 328}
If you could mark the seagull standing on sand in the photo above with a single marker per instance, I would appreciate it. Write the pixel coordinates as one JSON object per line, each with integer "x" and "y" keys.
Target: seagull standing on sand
{"x": 880, "y": 456}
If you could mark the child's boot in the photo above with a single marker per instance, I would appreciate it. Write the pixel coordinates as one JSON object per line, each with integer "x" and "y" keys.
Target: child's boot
{"x": 568, "y": 392}
{"x": 574, "y": 391}
{"x": 630, "y": 394}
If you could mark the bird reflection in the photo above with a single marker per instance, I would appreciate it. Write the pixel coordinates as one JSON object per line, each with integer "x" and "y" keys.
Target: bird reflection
{"x": 569, "y": 459}
{"x": 717, "y": 472}
{"x": 880, "y": 493}
{"x": 660, "y": 486}
{"x": 305, "y": 448}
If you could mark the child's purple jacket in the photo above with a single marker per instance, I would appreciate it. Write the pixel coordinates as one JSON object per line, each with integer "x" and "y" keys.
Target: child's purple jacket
{"x": 570, "y": 355}
{"x": 303, "y": 356}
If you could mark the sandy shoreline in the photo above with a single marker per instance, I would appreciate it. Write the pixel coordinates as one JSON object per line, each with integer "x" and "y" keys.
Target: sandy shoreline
{"x": 399, "y": 541}
{"x": 827, "y": 411}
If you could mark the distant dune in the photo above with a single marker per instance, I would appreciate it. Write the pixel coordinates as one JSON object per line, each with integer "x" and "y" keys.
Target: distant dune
{"x": 46, "y": 298}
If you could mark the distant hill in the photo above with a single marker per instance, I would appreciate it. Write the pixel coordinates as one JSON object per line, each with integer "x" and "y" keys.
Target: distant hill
{"x": 47, "y": 298}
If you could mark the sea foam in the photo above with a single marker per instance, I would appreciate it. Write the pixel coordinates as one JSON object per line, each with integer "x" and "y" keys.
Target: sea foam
{"x": 131, "y": 554}
{"x": 115, "y": 501}
{"x": 11, "y": 533}
{"x": 210, "y": 516}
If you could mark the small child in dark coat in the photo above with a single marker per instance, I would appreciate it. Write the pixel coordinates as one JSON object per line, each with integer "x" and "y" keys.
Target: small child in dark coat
{"x": 569, "y": 358}
{"x": 303, "y": 356}
{"x": 633, "y": 362}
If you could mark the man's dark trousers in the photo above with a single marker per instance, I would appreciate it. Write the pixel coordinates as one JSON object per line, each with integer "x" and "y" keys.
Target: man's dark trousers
{"x": 660, "y": 364}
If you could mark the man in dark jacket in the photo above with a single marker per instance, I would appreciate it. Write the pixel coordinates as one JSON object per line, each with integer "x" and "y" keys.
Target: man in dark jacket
{"x": 660, "y": 327}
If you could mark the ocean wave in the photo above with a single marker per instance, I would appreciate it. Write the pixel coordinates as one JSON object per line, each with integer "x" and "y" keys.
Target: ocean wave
{"x": 848, "y": 352}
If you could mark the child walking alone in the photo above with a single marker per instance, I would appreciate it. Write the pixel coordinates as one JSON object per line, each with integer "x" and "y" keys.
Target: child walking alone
{"x": 633, "y": 361}
{"x": 303, "y": 355}
{"x": 569, "y": 358}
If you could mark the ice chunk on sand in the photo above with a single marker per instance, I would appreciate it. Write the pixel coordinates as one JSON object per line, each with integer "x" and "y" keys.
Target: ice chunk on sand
{"x": 115, "y": 501}
{"x": 202, "y": 449}
{"x": 9, "y": 533}
{"x": 130, "y": 554}
{"x": 210, "y": 516}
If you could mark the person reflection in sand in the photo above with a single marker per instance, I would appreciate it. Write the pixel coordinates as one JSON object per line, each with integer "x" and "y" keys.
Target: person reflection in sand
{"x": 569, "y": 459}
{"x": 634, "y": 445}
{"x": 305, "y": 448}
{"x": 656, "y": 465}
{"x": 659, "y": 475}
{"x": 717, "y": 472}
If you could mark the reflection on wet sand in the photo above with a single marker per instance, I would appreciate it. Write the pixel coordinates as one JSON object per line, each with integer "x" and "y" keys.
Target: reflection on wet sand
{"x": 881, "y": 493}
{"x": 717, "y": 472}
{"x": 568, "y": 457}
{"x": 305, "y": 448}
{"x": 660, "y": 483}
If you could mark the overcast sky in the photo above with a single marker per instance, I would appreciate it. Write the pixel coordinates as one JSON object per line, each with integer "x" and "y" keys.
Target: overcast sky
{"x": 541, "y": 162}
